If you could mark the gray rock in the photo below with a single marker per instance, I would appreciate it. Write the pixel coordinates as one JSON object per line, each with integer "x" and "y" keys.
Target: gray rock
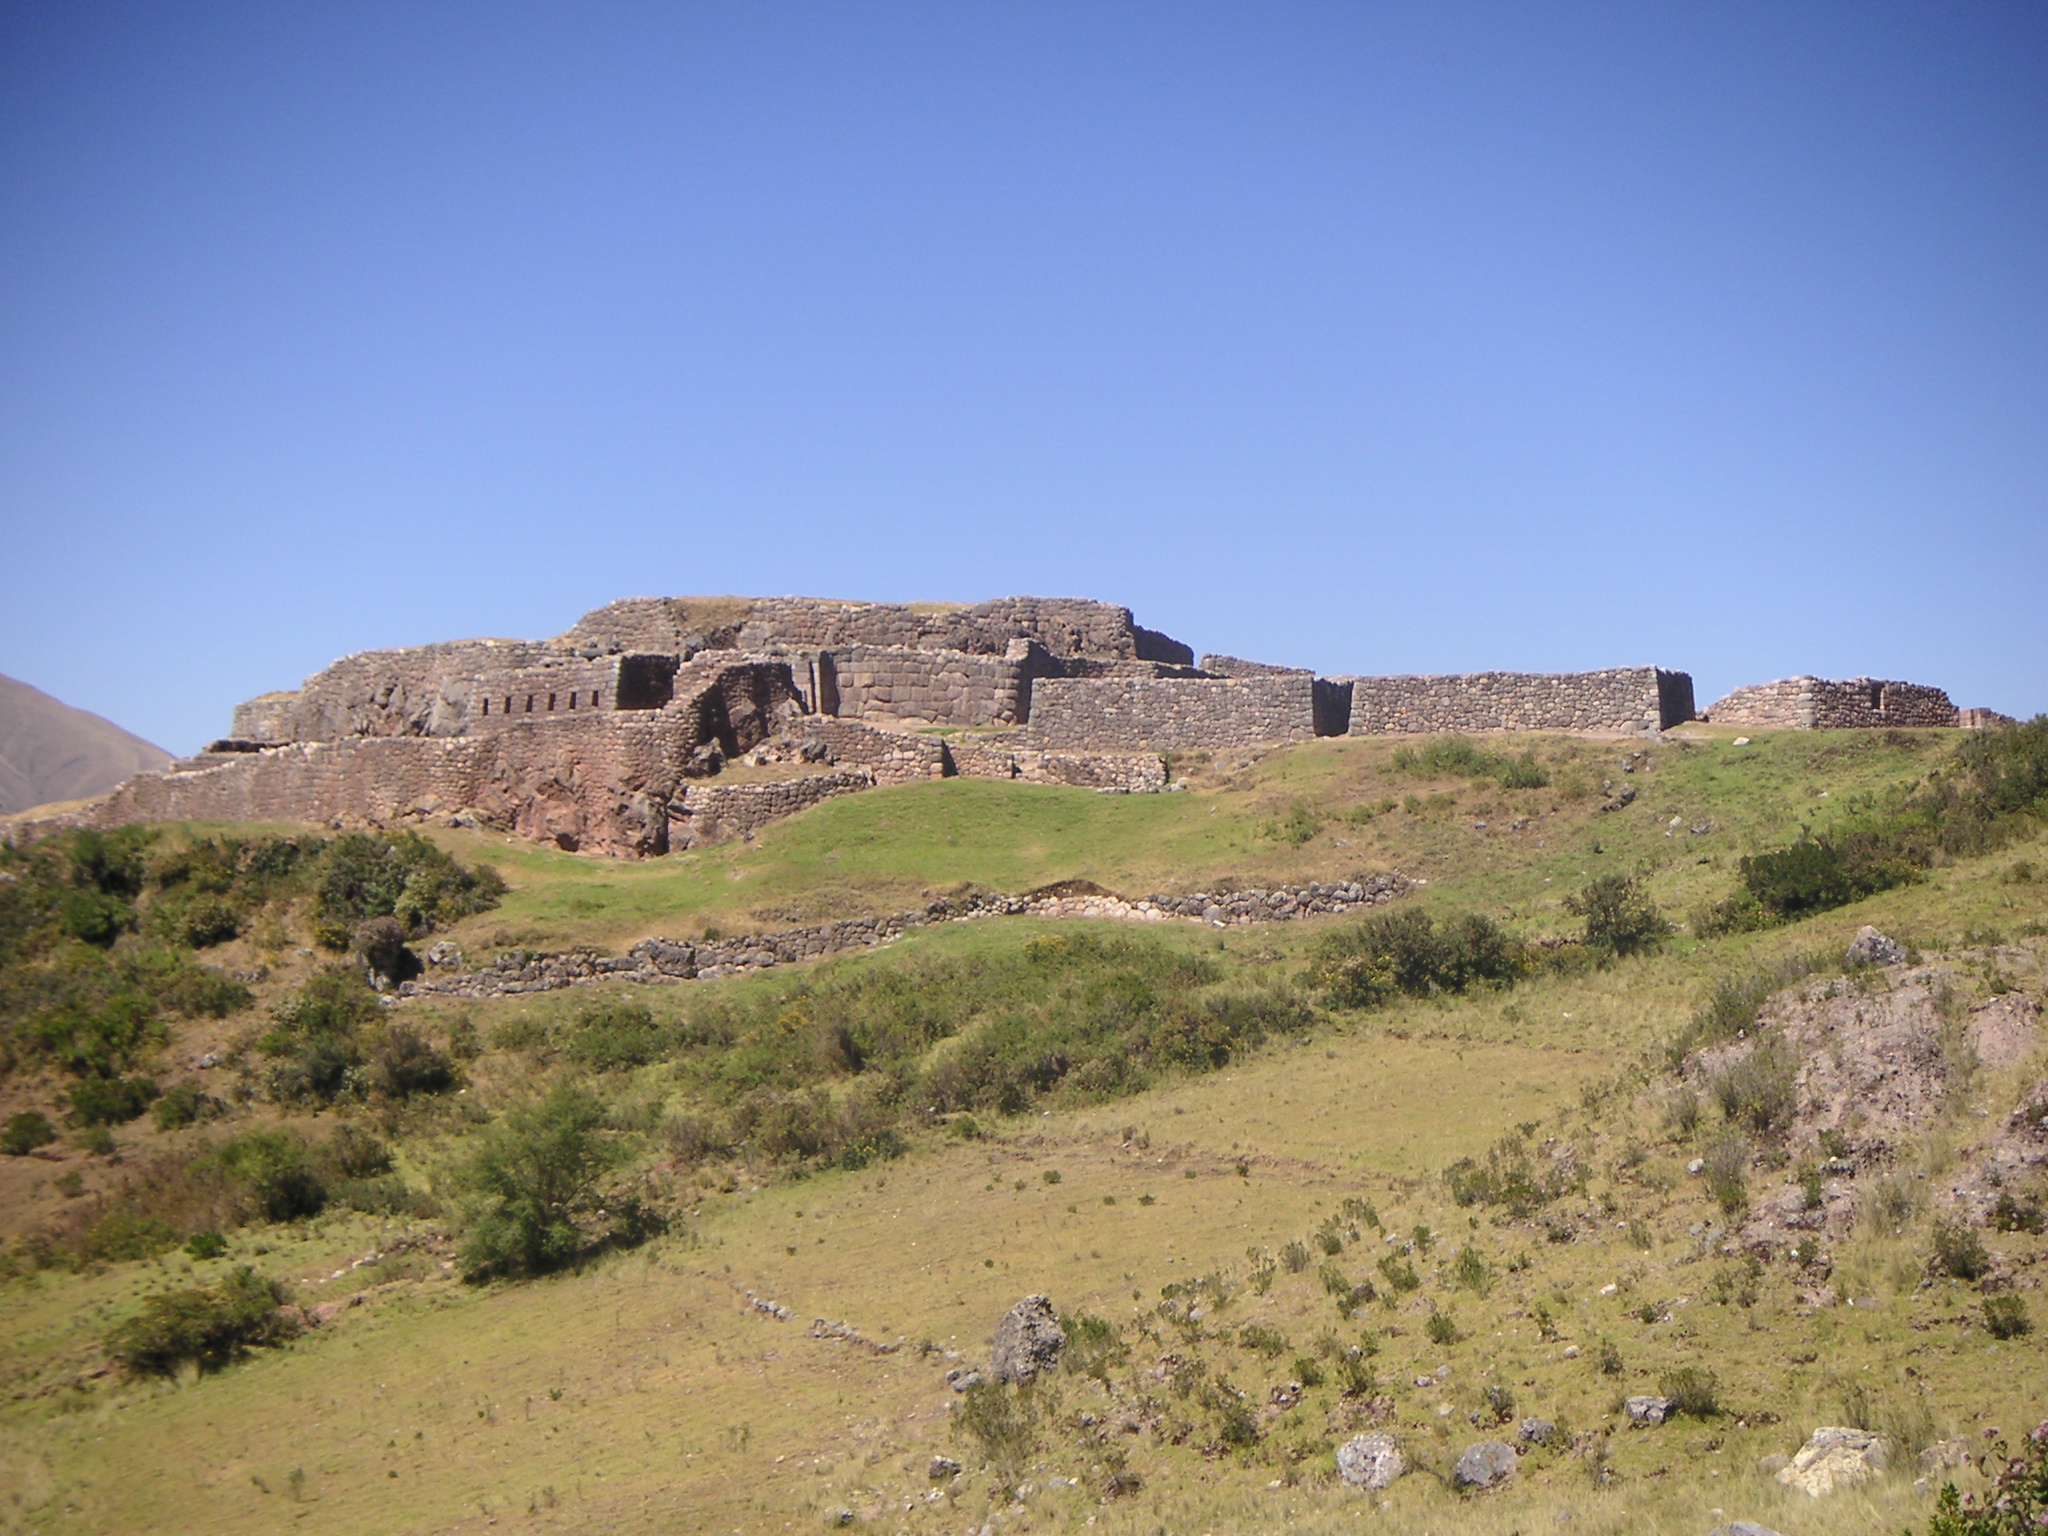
{"x": 1834, "y": 1457}
{"x": 1028, "y": 1340}
{"x": 1485, "y": 1465}
{"x": 942, "y": 1467}
{"x": 1742, "y": 1528}
{"x": 380, "y": 942}
{"x": 1536, "y": 1432}
{"x": 1773, "y": 1464}
{"x": 1872, "y": 948}
{"x": 961, "y": 1377}
{"x": 1944, "y": 1455}
{"x": 1648, "y": 1412}
{"x": 1370, "y": 1461}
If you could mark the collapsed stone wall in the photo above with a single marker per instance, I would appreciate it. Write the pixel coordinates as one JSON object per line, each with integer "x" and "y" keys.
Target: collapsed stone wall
{"x": 1237, "y": 666}
{"x": 1618, "y": 699}
{"x": 419, "y": 690}
{"x": 1813, "y": 703}
{"x": 1166, "y": 713}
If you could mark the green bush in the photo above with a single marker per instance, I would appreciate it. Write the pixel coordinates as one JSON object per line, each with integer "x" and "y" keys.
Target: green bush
{"x": 1403, "y": 950}
{"x": 1620, "y": 917}
{"x": 316, "y": 1037}
{"x": 1693, "y": 1392}
{"x": 1959, "y": 1251}
{"x": 1001, "y": 1422}
{"x": 360, "y": 876}
{"x": 1399, "y": 1273}
{"x": 1509, "y": 1177}
{"x": 183, "y": 1105}
{"x": 210, "y": 1325}
{"x": 1095, "y": 1346}
{"x": 533, "y": 1184}
{"x": 1441, "y": 1329}
{"x": 275, "y": 1172}
{"x": 2005, "y": 1317}
{"x": 111, "y": 1100}
{"x": 123, "y": 1235}
{"x": 406, "y": 1064}
{"x": 206, "y": 1245}
{"x": 1727, "y": 1174}
{"x": 25, "y": 1132}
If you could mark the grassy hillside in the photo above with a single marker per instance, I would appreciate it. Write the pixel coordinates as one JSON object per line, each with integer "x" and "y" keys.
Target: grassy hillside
{"x": 638, "y": 1387}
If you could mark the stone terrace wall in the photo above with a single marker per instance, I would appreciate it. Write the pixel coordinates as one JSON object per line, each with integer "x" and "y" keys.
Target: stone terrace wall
{"x": 1813, "y": 703}
{"x": 708, "y": 813}
{"x": 1619, "y": 699}
{"x": 889, "y": 757}
{"x": 1157, "y": 714}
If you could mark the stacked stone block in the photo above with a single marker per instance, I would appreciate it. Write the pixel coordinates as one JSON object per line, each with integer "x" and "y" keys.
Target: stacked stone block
{"x": 710, "y": 813}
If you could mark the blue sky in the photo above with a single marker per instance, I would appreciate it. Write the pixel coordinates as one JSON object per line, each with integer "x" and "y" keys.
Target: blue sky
{"x": 1373, "y": 338}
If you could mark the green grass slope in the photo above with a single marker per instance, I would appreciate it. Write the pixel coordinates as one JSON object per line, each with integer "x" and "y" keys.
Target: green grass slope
{"x": 640, "y": 1389}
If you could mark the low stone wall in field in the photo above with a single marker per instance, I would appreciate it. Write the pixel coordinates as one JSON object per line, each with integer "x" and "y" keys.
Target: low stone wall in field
{"x": 1618, "y": 699}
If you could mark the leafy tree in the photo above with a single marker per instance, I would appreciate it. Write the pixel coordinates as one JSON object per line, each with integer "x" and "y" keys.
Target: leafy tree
{"x": 1620, "y": 917}
{"x": 533, "y": 1180}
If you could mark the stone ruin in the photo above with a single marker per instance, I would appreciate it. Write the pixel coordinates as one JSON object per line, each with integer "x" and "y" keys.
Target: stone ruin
{"x": 662, "y": 723}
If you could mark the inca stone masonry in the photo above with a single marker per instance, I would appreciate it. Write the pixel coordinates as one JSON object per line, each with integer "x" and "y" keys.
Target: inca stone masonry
{"x": 659, "y": 723}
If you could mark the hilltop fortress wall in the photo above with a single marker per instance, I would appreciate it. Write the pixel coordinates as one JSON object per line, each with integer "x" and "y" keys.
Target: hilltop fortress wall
{"x": 1816, "y": 704}
{"x": 621, "y": 735}
{"x": 1618, "y": 699}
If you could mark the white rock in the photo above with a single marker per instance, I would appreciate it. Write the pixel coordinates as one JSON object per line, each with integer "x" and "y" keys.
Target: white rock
{"x": 1834, "y": 1457}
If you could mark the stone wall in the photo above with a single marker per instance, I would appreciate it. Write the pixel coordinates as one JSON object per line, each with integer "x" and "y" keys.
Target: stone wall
{"x": 1813, "y": 703}
{"x": 1619, "y": 699}
{"x": 1161, "y": 713}
{"x": 889, "y": 757}
{"x": 937, "y": 687}
{"x": 710, "y": 813}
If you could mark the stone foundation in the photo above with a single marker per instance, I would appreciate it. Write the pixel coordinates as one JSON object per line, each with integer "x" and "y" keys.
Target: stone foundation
{"x": 712, "y": 813}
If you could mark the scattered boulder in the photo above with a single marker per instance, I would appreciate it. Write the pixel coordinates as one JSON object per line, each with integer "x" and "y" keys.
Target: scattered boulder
{"x": 961, "y": 1377}
{"x": 1536, "y": 1432}
{"x": 380, "y": 943}
{"x": 1485, "y": 1465}
{"x": 1870, "y": 947}
{"x": 942, "y": 1467}
{"x": 1833, "y": 1458}
{"x": 1648, "y": 1412}
{"x": 1945, "y": 1456}
{"x": 1773, "y": 1464}
{"x": 1371, "y": 1461}
{"x": 1742, "y": 1528}
{"x": 1028, "y": 1340}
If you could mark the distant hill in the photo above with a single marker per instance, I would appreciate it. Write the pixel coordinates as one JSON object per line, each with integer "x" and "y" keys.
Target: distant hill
{"x": 50, "y": 751}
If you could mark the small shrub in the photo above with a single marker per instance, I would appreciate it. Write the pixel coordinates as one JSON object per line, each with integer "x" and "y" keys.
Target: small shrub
{"x": 1360, "y": 1211}
{"x": 1760, "y": 1091}
{"x": 206, "y": 1245}
{"x": 123, "y": 1235}
{"x": 208, "y": 921}
{"x": 2005, "y": 1317}
{"x": 1051, "y": 1175}
{"x": 2018, "y": 1213}
{"x": 275, "y": 1172}
{"x": 1294, "y": 1257}
{"x": 1334, "y": 1280}
{"x": 1095, "y": 1346}
{"x": 1727, "y": 1175}
{"x": 1399, "y": 1273}
{"x": 407, "y": 1064}
{"x": 1354, "y": 1373}
{"x": 1682, "y": 1115}
{"x": 25, "y": 1132}
{"x": 1262, "y": 1340}
{"x": 1441, "y": 1329}
{"x": 1608, "y": 1358}
{"x": 1500, "y": 1402}
{"x": 111, "y": 1100}
{"x": 1002, "y": 1422}
{"x": 1403, "y": 950}
{"x": 181, "y": 1106}
{"x": 1693, "y": 1392}
{"x": 1621, "y": 919}
{"x": 1959, "y": 1251}
{"x": 212, "y": 1325}
{"x": 1307, "y": 1370}
{"x": 1812, "y": 1194}
{"x": 1471, "y": 1271}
